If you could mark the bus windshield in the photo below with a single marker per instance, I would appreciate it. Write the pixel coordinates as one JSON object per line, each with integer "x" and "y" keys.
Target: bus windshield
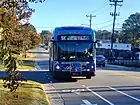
{"x": 74, "y": 51}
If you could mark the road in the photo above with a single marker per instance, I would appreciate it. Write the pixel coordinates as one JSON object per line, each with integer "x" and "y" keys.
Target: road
{"x": 112, "y": 85}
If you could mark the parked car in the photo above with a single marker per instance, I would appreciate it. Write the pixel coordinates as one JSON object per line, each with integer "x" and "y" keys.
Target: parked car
{"x": 42, "y": 45}
{"x": 101, "y": 60}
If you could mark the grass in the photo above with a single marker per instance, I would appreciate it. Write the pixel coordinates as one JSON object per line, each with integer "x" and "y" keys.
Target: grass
{"x": 24, "y": 67}
{"x": 29, "y": 93}
{"x": 28, "y": 63}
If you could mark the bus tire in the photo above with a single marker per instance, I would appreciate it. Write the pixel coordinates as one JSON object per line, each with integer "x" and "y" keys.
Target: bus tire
{"x": 69, "y": 78}
{"x": 88, "y": 77}
{"x": 54, "y": 76}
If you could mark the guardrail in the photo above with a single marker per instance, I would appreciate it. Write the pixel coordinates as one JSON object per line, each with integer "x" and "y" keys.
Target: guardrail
{"x": 125, "y": 62}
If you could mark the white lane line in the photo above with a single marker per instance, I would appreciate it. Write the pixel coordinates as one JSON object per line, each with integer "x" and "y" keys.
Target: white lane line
{"x": 66, "y": 90}
{"x": 87, "y": 103}
{"x": 110, "y": 103}
{"x": 77, "y": 91}
{"x": 134, "y": 98}
{"x": 52, "y": 87}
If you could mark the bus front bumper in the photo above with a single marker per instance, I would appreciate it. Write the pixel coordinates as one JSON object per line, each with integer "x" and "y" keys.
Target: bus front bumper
{"x": 68, "y": 73}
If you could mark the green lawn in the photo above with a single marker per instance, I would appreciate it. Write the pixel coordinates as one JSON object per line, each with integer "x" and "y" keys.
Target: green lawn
{"x": 30, "y": 93}
{"x": 28, "y": 63}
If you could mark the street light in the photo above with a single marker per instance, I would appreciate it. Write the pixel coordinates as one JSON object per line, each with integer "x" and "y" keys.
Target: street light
{"x": 85, "y": 25}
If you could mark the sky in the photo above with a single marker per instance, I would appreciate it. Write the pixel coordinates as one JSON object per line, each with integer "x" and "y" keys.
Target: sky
{"x": 55, "y": 13}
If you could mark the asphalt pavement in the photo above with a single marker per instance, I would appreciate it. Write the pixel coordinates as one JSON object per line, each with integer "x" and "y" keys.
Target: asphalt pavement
{"x": 112, "y": 85}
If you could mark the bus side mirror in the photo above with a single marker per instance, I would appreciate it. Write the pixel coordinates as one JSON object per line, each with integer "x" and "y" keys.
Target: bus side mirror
{"x": 98, "y": 43}
{"x": 52, "y": 39}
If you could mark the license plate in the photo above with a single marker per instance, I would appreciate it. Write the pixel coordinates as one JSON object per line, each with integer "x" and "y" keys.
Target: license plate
{"x": 76, "y": 67}
{"x": 74, "y": 73}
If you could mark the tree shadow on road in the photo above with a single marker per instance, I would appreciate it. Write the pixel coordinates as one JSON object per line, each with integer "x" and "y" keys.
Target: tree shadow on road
{"x": 61, "y": 80}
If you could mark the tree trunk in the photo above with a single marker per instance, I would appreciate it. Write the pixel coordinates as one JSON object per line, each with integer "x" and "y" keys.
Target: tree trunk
{"x": 25, "y": 54}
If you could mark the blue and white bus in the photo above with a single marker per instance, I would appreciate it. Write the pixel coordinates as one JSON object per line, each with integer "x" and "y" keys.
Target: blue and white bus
{"x": 72, "y": 52}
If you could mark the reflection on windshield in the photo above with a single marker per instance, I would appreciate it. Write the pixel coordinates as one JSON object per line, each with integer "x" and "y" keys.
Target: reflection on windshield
{"x": 74, "y": 51}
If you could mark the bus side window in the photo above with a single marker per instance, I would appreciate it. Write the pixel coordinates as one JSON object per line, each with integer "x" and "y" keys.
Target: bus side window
{"x": 55, "y": 51}
{"x": 50, "y": 53}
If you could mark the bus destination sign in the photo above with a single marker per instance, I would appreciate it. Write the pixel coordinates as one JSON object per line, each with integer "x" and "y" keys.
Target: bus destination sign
{"x": 75, "y": 37}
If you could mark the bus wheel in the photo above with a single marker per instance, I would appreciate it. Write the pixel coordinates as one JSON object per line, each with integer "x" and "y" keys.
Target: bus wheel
{"x": 55, "y": 77}
{"x": 88, "y": 77}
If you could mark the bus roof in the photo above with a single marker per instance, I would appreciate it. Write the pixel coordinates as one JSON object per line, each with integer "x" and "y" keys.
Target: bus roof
{"x": 65, "y": 30}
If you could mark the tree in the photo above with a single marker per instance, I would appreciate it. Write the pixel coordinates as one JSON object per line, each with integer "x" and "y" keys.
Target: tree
{"x": 13, "y": 15}
{"x": 30, "y": 37}
{"x": 45, "y": 35}
{"x": 131, "y": 28}
{"x": 30, "y": 26}
{"x": 103, "y": 35}
{"x": 35, "y": 40}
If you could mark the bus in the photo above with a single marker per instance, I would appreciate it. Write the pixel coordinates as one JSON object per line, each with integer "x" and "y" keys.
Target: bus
{"x": 72, "y": 52}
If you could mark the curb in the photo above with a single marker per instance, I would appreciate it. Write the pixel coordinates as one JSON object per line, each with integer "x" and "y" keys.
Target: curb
{"x": 126, "y": 67}
{"x": 47, "y": 97}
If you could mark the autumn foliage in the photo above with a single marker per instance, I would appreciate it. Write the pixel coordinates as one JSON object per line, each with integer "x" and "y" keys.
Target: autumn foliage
{"x": 16, "y": 37}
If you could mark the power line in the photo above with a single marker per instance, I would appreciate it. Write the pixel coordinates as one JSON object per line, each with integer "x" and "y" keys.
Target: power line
{"x": 105, "y": 26}
{"x": 120, "y": 22}
{"x": 104, "y": 22}
{"x": 109, "y": 21}
{"x": 103, "y": 11}
{"x": 102, "y": 7}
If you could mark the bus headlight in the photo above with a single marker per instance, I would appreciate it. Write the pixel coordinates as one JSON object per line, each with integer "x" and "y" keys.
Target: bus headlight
{"x": 57, "y": 67}
{"x": 88, "y": 69}
{"x": 87, "y": 62}
{"x": 92, "y": 67}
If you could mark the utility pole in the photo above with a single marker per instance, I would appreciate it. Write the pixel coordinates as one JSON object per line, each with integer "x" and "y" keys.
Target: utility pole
{"x": 90, "y": 19}
{"x": 115, "y": 3}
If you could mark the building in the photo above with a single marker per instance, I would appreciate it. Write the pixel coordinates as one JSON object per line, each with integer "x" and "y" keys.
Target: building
{"x": 120, "y": 50}
{"x": 116, "y": 46}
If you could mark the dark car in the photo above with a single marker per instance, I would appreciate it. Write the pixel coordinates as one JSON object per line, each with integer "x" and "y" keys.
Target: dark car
{"x": 101, "y": 60}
